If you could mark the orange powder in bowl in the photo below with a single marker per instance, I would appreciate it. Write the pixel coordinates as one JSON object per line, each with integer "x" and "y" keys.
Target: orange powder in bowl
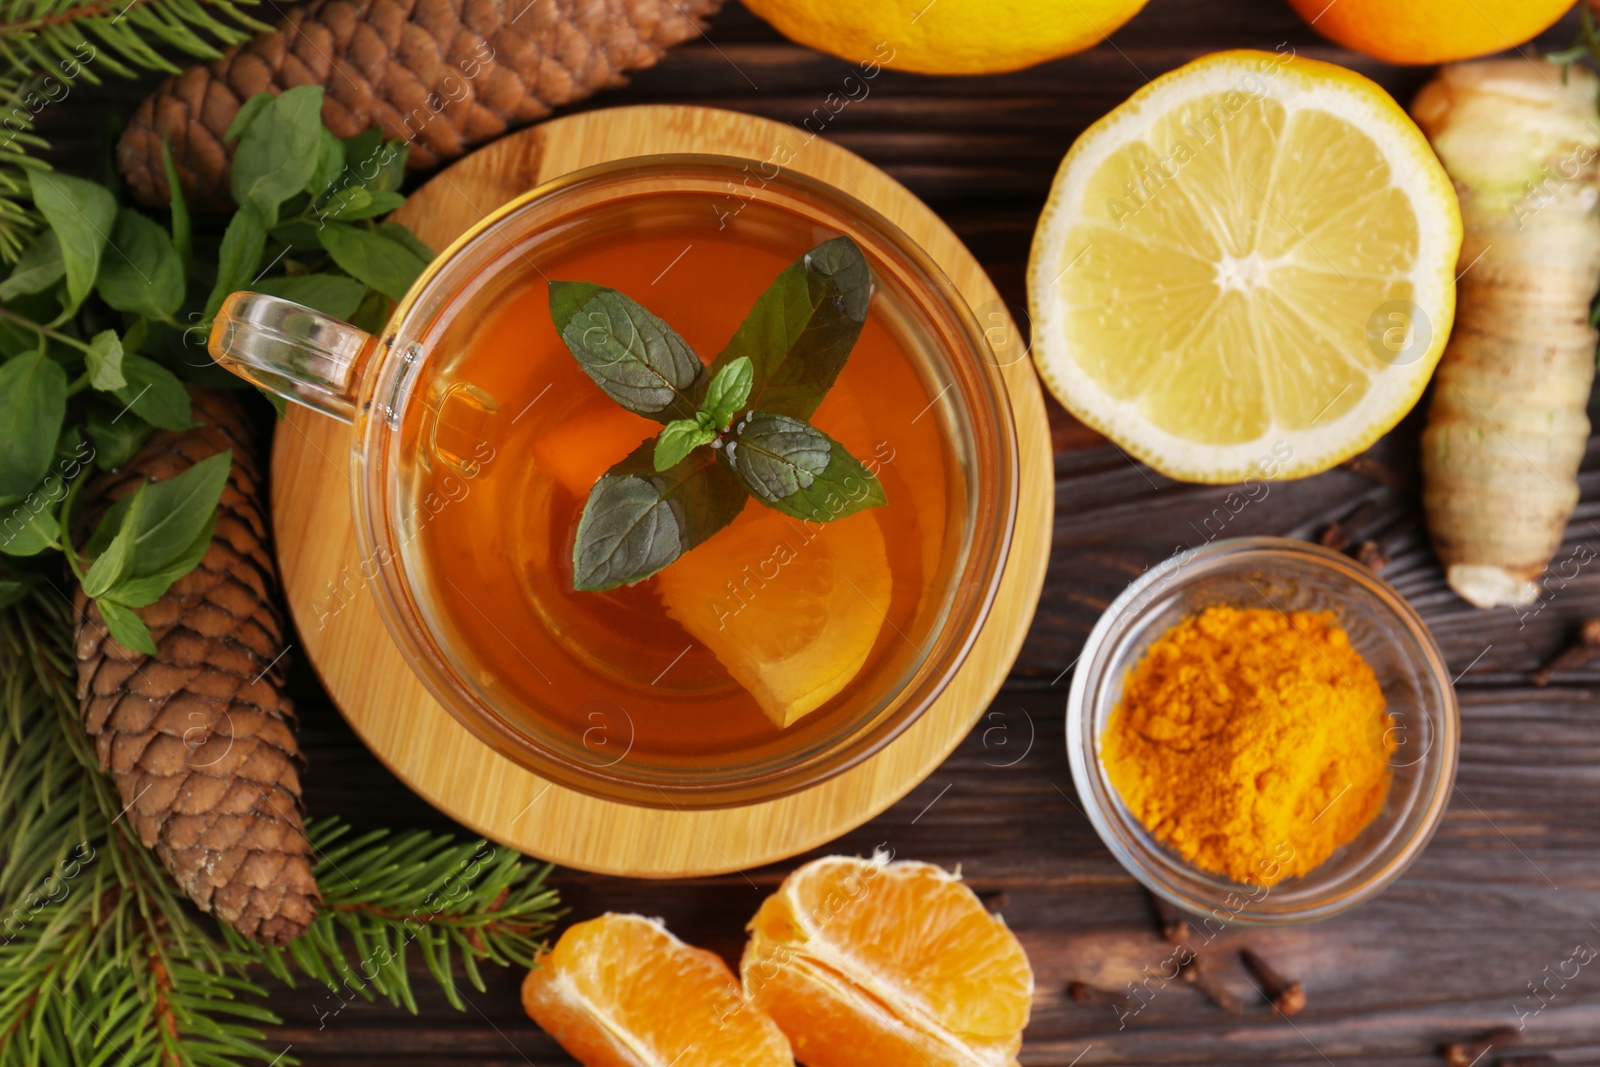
{"x": 1253, "y": 742}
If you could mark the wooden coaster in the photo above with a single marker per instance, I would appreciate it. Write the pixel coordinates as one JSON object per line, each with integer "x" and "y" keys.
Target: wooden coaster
{"x": 433, "y": 754}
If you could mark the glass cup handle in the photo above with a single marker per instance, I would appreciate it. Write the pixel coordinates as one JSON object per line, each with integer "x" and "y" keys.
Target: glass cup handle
{"x": 292, "y": 350}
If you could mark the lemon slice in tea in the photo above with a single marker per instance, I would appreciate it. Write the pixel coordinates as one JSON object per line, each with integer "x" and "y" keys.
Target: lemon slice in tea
{"x": 1246, "y": 270}
{"x": 791, "y": 609}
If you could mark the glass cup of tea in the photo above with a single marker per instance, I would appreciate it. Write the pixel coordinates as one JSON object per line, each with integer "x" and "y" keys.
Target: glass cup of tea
{"x": 477, "y": 438}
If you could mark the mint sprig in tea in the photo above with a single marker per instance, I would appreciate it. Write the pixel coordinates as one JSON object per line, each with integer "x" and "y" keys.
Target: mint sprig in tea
{"x": 707, "y": 496}
{"x": 776, "y": 369}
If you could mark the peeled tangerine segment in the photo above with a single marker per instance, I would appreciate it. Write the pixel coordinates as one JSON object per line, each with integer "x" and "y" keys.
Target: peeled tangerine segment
{"x": 864, "y": 963}
{"x": 578, "y": 451}
{"x": 790, "y": 608}
{"x": 620, "y": 991}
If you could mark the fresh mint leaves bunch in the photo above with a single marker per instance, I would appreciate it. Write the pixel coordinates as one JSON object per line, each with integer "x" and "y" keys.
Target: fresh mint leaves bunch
{"x": 104, "y": 317}
{"x": 733, "y": 430}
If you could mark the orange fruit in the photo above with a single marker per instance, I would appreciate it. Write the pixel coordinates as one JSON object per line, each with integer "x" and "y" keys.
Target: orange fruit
{"x": 866, "y": 963}
{"x": 1430, "y": 31}
{"x": 578, "y": 451}
{"x": 792, "y": 609}
{"x": 620, "y": 991}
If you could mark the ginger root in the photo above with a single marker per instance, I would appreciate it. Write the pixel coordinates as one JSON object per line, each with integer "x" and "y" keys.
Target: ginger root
{"x": 1507, "y": 427}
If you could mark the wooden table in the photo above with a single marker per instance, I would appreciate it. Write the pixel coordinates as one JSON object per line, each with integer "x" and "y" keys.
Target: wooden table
{"x": 1509, "y": 887}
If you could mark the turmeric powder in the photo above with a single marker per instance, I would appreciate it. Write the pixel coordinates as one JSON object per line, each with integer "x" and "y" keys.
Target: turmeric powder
{"x": 1253, "y": 742}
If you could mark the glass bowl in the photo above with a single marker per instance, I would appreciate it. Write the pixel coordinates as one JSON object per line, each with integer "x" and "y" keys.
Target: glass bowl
{"x": 1287, "y": 575}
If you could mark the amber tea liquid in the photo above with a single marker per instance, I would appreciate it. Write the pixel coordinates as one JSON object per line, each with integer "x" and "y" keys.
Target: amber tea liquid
{"x": 510, "y": 435}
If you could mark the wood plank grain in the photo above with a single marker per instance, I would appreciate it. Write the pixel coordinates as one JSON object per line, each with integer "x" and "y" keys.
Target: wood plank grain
{"x": 1447, "y": 951}
{"x": 1507, "y": 888}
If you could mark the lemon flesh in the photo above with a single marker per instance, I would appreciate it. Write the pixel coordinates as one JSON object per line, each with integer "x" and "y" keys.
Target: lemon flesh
{"x": 790, "y": 608}
{"x": 1247, "y": 270}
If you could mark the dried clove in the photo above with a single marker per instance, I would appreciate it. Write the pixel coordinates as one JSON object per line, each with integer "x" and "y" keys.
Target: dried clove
{"x": 1084, "y": 993}
{"x": 1466, "y": 1053}
{"x": 1579, "y": 653}
{"x": 1285, "y": 995}
{"x": 1372, "y": 556}
{"x": 1334, "y": 536}
{"x": 1369, "y": 466}
{"x": 1198, "y": 973}
{"x": 1172, "y": 921}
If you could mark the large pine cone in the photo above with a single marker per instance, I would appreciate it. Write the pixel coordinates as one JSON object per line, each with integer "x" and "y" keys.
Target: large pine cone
{"x": 199, "y": 737}
{"x": 443, "y": 75}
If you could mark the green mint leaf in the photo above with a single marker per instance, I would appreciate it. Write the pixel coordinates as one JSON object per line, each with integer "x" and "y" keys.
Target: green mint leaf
{"x": 278, "y": 150}
{"x": 638, "y": 360}
{"x": 104, "y": 362}
{"x": 116, "y": 431}
{"x": 82, "y": 214}
{"x": 39, "y": 267}
{"x": 383, "y": 264}
{"x": 390, "y": 160}
{"x": 110, "y": 523}
{"x": 330, "y": 165}
{"x": 129, "y": 630}
{"x": 246, "y": 115}
{"x": 33, "y": 404}
{"x": 373, "y": 313}
{"x": 360, "y": 149}
{"x": 71, "y": 454}
{"x": 402, "y": 236}
{"x": 801, "y": 330}
{"x": 678, "y": 439}
{"x": 637, "y": 520}
{"x": 795, "y": 468}
{"x": 30, "y": 527}
{"x": 180, "y": 208}
{"x": 369, "y": 205}
{"x": 141, "y": 272}
{"x": 139, "y": 592}
{"x": 143, "y": 590}
{"x": 331, "y": 294}
{"x": 298, "y": 234}
{"x": 375, "y": 164}
{"x": 729, "y": 389}
{"x": 239, "y": 259}
{"x": 176, "y": 510}
{"x": 345, "y": 203}
{"x": 154, "y": 393}
{"x": 116, "y": 561}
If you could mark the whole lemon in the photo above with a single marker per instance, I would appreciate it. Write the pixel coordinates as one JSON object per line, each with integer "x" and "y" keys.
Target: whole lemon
{"x": 947, "y": 36}
{"x": 1430, "y": 31}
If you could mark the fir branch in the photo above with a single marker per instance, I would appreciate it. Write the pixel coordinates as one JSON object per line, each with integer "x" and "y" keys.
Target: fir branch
{"x": 385, "y": 895}
{"x": 47, "y": 48}
{"x": 104, "y": 961}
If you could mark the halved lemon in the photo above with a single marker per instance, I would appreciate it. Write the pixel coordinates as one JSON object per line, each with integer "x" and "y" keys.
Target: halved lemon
{"x": 1247, "y": 270}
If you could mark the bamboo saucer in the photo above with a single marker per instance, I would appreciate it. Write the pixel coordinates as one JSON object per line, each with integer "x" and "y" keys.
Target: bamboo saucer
{"x": 433, "y": 754}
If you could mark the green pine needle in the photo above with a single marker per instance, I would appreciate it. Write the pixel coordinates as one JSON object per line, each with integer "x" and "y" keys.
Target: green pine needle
{"x": 49, "y": 47}
{"x": 104, "y": 961}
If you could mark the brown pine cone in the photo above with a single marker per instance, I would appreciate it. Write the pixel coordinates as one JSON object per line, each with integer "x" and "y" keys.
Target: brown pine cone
{"x": 443, "y": 75}
{"x": 199, "y": 737}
